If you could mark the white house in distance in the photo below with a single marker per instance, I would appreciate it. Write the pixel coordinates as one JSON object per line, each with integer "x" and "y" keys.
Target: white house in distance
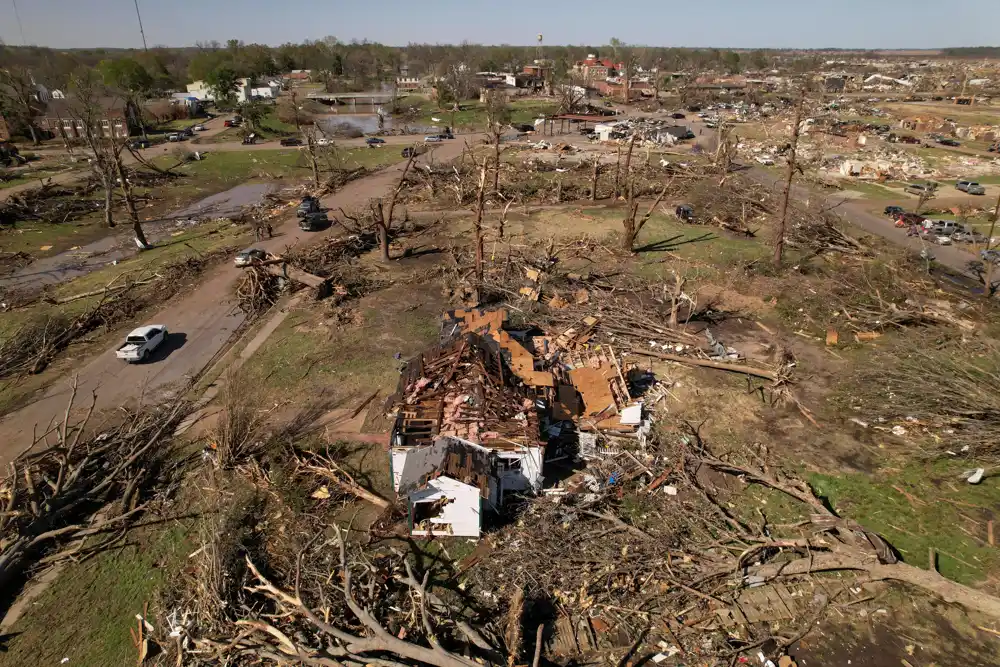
{"x": 201, "y": 91}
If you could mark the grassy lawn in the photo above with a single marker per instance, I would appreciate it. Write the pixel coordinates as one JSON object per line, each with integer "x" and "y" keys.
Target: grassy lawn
{"x": 270, "y": 127}
{"x": 180, "y": 124}
{"x": 83, "y": 619}
{"x": 942, "y": 512}
{"x": 305, "y": 356}
{"x": 873, "y": 190}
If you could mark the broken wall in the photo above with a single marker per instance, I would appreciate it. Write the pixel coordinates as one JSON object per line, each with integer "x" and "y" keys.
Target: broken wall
{"x": 445, "y": 506}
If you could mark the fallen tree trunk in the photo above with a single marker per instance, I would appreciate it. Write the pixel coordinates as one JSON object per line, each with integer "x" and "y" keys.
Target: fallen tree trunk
{"x": 288, "y": 271}
{"x": 932, "y": 582}
{"x": 98, "y": 292}
{"x": 708, "y": 363}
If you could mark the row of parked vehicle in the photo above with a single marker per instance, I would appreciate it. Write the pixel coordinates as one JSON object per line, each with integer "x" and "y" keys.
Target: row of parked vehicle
{"x": 968, "y": 187}
{"x": 942, "y": 232}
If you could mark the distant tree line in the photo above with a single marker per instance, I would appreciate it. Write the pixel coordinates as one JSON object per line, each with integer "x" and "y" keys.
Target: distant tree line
{"x": 972, "y": 52}
{"x": 355, "y": 64}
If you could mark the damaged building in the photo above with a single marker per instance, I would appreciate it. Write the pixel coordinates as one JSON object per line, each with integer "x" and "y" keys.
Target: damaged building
{"x": 485, "y": 415}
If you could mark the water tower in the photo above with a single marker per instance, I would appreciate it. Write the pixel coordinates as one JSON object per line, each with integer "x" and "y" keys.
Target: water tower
{"x": 538, "y": 49}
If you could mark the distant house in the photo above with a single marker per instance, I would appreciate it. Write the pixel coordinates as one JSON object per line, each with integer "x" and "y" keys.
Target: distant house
{"x": 264, "y": 92}
{"x": 117, "y": 120}
{"x": 202, "y": 91}
{"x": 594, "y": 68}
{"x": 299, "y": 74}
{"x": 408, "y": 82}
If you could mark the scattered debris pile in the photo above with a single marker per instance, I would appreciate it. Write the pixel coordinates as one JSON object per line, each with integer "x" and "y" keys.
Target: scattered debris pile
{"x": 325, "y": 267}
{"x": 49, "y": 203}
{"x": 80, "y": 491}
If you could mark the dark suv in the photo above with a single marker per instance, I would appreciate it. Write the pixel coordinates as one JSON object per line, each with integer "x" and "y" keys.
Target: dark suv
{"x": 309, "y": 206}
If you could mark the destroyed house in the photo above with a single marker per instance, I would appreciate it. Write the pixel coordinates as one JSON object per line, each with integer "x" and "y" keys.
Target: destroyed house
{"x": 464, "y": 389}
{"x": 481, "y": 415}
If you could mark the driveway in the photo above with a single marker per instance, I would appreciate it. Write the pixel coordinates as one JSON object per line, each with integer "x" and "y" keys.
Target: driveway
{"x": 208, "y": 316}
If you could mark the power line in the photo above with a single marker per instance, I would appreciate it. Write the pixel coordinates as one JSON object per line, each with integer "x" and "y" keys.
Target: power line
{"x": 20, "y": 26}
{"x": 141, "y": 32}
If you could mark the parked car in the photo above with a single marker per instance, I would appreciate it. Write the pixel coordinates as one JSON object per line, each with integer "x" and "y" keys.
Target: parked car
{"x": 964, "y": 237}
{"x": 975, "y": 189}
{"x": 228, "y": 123}
{"x": 307, "y": 206}
{"x": 948, "y": 142}
{"x": 249, "y": 256}
{"x": 678, "y": 115}
{"x": 374, "y": 141}
{"x": 446, "y": 135}
{"x": 990, "y": 256}
{"x": 199, "y": 128}
{"x": 314, "y": 222}
{"x": 187, "y": 132}
{"x": 893, "y": 211}
{"x": 176, "y": 136}
{"x": 432, "y": 139}
{"x": 919, "y": 188}
{"x": 408, "y": 151}
{"x": 942, "y": 240}
{"x": 964, "y": 185}
{"x": 323, "y": 141}
{"x": 141, "y": 343}
{"x": 291, "y": 141}
{"x": 136, "y": 144}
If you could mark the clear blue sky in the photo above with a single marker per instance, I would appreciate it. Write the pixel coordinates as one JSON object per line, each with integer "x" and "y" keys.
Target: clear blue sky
{"x": 721, "y": 23}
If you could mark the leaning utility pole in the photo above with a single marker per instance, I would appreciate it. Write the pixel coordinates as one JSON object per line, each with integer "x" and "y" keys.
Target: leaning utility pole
{"x": 141, "y": 31}
{"x": 779, "y": 242}
{"x": 987, "y": 287}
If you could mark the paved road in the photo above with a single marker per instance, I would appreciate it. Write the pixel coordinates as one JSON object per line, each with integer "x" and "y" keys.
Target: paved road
{"x": 207, "y": 317}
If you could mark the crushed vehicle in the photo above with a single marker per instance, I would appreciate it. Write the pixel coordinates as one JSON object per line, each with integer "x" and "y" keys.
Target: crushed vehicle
{"x": 141, "y": 343}
{"x": 893, "y": 211}
{"x": 685, "y": 213}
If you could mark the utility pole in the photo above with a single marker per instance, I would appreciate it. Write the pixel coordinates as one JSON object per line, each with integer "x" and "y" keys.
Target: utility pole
{"x": 141, "y": 31}
{"x": 20, "y": 26}
{"x": 987, "y": 288}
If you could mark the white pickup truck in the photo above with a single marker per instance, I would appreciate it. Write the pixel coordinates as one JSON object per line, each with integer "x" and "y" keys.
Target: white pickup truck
{"x": 141, "y": 342}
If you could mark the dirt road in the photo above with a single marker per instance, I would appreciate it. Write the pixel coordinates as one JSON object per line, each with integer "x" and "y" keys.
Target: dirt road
{"x": 201, "y": 324}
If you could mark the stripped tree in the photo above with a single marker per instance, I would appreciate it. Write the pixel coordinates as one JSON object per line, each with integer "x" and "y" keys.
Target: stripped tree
{"x": 779, "y": 241}
{"x": 106, "y": 139}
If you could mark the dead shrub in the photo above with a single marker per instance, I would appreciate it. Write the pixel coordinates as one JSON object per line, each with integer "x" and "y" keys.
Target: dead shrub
{"x": 238, "y": 435}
